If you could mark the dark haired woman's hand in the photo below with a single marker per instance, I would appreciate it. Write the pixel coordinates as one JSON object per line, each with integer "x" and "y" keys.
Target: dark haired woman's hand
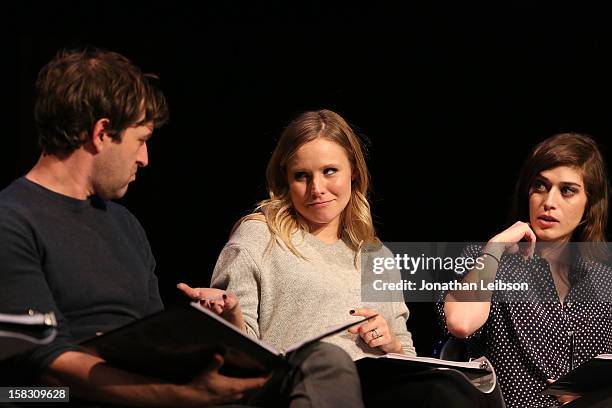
{"x": 223, "y": 303}
{"x": 564, "y": 399}
{"x": 507, "y": 241}
{"x": 376, "y": 332}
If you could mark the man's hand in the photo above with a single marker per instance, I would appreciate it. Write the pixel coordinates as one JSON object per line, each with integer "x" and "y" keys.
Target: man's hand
{"x": 222, "y": 389}
{"x": 90, "y": 377}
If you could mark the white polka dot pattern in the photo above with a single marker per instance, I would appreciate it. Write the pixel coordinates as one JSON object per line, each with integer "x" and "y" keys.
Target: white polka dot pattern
{"x": 530, "y": 340}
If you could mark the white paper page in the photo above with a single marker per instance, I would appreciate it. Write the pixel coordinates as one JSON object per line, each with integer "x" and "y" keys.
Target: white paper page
{"x": 30, "y": 320}
{"x": 476, "y": 364}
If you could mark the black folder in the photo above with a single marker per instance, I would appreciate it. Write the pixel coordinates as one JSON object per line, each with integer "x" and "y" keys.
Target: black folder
{"x": 590, "y": 376}
{"x": 179, "y": 342}
{"x": 479, "y": 372}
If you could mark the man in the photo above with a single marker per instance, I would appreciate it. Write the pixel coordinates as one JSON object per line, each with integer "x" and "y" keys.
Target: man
{"x": 65, "y": 247}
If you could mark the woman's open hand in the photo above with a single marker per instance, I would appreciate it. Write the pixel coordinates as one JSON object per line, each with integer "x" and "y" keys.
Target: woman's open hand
{"x": 223, "y": 303}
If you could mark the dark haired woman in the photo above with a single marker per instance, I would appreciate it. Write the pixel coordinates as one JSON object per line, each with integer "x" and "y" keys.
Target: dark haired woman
{"x": 564, "y": 320}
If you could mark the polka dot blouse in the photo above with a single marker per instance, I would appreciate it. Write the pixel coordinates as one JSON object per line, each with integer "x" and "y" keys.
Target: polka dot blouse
{"x": 534, "y": 337}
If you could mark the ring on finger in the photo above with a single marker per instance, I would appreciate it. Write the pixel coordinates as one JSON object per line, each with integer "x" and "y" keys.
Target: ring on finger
{"x": 375, "y": 334}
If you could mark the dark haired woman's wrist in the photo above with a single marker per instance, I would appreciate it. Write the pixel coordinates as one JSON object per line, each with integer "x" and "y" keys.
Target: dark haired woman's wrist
{"x": 494, "y": 249}
{"x": 495, "y": 258}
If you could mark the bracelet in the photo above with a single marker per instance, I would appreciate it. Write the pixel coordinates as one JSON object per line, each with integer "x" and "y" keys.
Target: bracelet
{"x": 492, "y": 256}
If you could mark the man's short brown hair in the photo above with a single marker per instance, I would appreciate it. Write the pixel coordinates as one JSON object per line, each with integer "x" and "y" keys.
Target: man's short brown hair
{"x": 79, "y": 87}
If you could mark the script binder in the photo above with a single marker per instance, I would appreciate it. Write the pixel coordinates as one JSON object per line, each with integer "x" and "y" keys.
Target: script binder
{"x": 478, "y": 372}
{"x": 590, "y": 376}
{"x": 178, "y": 343}
{"x": 22, "y": 332}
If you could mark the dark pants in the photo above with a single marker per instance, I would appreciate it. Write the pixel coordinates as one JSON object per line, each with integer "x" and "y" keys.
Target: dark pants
{"x": 320, "y": 375}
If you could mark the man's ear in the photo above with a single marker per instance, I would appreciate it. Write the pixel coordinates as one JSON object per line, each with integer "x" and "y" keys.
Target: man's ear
{"x": 99, "y": 133}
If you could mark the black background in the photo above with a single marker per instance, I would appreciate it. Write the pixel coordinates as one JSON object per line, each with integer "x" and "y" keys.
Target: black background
{"x": 451, "y": 100}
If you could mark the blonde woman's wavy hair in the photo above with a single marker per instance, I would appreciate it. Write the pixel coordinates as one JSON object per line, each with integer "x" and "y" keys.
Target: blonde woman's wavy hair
{"x": 278, "y": 210}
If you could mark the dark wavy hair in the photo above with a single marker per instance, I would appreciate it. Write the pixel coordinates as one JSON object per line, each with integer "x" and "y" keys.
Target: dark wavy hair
{"x": 579, "y": 151}
{"x": 79, "y": 87}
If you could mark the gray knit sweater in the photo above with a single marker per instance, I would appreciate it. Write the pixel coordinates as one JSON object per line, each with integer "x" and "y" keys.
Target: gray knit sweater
{"x": 286, "y": 299}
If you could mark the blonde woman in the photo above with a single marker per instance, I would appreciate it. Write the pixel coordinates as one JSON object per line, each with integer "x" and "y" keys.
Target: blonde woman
{"x": 294, "y": 263}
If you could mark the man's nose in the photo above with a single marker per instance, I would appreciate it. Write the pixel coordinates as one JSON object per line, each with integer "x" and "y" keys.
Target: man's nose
{"x": 143, "y": 156}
